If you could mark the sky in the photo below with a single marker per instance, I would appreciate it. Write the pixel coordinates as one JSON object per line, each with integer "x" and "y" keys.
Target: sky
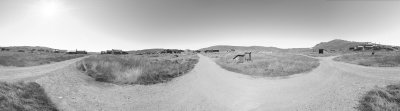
{"x": 96, "y": 25}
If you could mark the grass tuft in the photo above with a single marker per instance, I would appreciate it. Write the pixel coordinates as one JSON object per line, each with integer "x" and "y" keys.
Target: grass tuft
{"x": 381, "y": 99}
{"x": 135, "y": 69}
{"x": 269, "y": 65}
{"x": 380, "y": 59}
{"x": 24, "y": 97}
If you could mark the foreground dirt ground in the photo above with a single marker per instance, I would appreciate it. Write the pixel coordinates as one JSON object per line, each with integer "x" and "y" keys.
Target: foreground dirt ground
{"x": 332, "y": 86}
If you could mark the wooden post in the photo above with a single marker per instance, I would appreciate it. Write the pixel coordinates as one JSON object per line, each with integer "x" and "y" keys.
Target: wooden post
{"x": 250, "y": 56}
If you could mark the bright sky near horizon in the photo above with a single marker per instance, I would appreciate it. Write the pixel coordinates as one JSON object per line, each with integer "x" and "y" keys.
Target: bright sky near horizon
{"x": 96, "y": 25}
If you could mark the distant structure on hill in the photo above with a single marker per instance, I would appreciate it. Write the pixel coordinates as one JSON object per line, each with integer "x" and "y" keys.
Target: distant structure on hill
{"x": 32, "y": 49}
{"x": 211, "y": 51}
{"x": 372, "y": 46}
{"x": 171, "y": 51}
{"x": 338, "y": 45}
{"x": 59, "y": 51}
{"x": 114, "y": 51}
{"x": 157, "y": 51}
{"x": 321, "y": 51}
{"x": 77, "y": 52}
{"x": 240, "y": 58}
{"x": 5, "y": 49}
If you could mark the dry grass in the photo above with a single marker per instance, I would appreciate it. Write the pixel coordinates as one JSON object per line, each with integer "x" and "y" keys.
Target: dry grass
{"x": 380, "y": 59}
{"x": 326, "y": 54}
{"x": 20, "y": 59}
{"x": 24, "y": 97}
{"x": 137, "y": 69}
{"x": 381, "y": 99}
{"x": 269, "y": 65}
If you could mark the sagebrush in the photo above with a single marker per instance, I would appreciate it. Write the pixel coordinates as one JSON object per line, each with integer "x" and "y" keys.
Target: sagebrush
{"x": 379, "y": 59}
{"x": 135, "y": 69}
{"x": 24, "y": 97}
{"x": 270, "y": 65}
{"x": 381, "y": 99}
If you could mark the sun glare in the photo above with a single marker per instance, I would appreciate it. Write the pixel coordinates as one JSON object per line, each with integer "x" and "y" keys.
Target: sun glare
{"x": 49, "y": 8}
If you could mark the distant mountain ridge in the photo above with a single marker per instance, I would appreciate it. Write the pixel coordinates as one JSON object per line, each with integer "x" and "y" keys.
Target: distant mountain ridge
{"x": 27, "y": 48}
{"x": 336, "y": 45}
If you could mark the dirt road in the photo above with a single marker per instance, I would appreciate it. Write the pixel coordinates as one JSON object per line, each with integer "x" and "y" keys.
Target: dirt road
{"x": 332, "y": 86}
{"x": 21, "y": 73}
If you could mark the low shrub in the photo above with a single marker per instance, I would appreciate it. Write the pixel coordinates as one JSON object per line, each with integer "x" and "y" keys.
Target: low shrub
{"x": 381, "y": 59}
{"x": 326, "y": 54}
{"x": 24, "y": 97}
{"x": 269, "y": 65}
{"x": 135, "y": 69}
{"x": 381, "y": 99}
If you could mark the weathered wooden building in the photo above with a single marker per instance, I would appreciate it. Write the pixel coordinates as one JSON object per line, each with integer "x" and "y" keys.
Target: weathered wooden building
{"x": 211, "y": 51}
{"x": 240, "y": 58}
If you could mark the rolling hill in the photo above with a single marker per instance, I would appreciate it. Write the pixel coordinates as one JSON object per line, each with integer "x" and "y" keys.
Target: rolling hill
{"x": 337, "y": 44}
{"x": 343, "y": 45}
{"x": 27, "y": 48}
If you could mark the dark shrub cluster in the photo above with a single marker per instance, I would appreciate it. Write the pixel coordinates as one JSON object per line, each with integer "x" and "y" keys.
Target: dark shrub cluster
{"x": 381, "y": 99}
{"x": 24, "y": 97}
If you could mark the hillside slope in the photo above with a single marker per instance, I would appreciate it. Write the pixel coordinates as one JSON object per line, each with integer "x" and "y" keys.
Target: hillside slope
{"x": 337, "y": 44}
{"x": 27, "y": 48}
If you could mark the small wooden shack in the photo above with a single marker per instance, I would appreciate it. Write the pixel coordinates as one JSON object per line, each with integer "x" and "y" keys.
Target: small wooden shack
{"x": 77, "y": 52}
{"x": 248, "y": 57}
{"x": 5, "y": 49}
{"x": 240, "y": 58}
{"x": 211, "y": 51}
{"x": 321, "y": 51}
